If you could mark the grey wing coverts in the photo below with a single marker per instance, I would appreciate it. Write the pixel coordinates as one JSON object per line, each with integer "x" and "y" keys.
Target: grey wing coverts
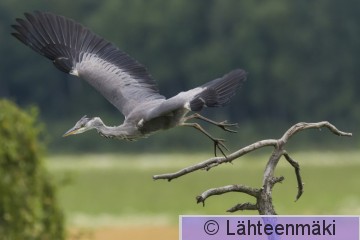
{"x": 215, "y": 93}
{"x": 76, "y": 50}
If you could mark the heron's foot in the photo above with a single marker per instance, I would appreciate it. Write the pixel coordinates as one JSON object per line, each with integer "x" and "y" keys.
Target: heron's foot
{"x": 219, "y": 144}
{"x": 224, "y": 125}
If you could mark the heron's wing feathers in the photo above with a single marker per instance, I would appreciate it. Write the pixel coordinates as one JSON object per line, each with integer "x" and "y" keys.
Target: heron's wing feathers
{"x": 218, "y": 92}
{"x": 75, "y": 49}
{"x": 215, "y": 93}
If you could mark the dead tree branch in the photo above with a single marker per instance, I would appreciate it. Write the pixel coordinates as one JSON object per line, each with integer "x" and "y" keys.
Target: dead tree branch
{"x": 262, "y": 195}
{"x": 297, "y": 173}
{"x": 215, "y": 161}
{"x": 242, "y": 207}
{"x": 226, "y": 189}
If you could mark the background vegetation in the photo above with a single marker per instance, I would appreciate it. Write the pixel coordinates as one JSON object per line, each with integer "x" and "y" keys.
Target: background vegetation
{"x": 28, "y": 204}
{"x": 122, "y": 191}
{"x": 302, "y": 59}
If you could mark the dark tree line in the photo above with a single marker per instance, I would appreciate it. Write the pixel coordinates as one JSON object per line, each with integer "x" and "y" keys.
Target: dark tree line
{"x": 302, "y": 57}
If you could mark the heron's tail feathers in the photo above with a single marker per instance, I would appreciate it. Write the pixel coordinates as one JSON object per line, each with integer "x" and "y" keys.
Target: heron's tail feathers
{"x": 218, "y": 92}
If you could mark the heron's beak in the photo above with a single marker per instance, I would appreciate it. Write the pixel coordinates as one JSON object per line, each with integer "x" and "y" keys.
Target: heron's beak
{"x": 72, "y": 131}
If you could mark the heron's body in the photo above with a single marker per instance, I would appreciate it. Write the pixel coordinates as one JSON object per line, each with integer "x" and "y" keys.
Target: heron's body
{"x": 123, "y": 81}
{"x": 136, "y": 126}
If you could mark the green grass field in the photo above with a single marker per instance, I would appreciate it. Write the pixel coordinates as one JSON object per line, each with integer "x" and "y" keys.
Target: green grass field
{"x": 106, "y": 190}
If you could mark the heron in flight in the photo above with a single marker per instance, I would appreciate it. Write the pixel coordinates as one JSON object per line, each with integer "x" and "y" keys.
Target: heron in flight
{"x": 123, "y": 81}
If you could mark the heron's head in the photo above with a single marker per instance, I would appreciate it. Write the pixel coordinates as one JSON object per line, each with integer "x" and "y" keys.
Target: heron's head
{"x": 83, "y": 125}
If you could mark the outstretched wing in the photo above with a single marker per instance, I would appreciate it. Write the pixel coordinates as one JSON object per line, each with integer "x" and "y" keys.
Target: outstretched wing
{"x": 215, "y": 93}
{"x": 75, "y": 49}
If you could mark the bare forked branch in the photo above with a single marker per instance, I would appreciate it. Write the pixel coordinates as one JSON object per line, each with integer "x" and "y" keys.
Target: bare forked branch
{"x": 215, "y": 161}
{"x": 262, "y": 195}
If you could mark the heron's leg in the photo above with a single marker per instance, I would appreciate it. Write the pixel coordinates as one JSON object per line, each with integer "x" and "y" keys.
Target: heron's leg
{"x": 218, "y": 143}
{"x": 223, "y": 125}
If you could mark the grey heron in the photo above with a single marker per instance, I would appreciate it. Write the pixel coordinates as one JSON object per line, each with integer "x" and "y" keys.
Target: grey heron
{"x": 123, "y": 81}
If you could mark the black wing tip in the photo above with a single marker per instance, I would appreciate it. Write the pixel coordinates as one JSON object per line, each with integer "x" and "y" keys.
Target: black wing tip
{"x": 239, "y": 74}
{"x": 28, "y": 15}
{"x": 14, "y": 26}
{"x": 40, "y": 31}
{"x": 19, "y": 37}
{"x": 16, "y": 34}
{"x": 219, "y": 91}
{"x": 229, "y": 84}
{"x": 18, "y": 20}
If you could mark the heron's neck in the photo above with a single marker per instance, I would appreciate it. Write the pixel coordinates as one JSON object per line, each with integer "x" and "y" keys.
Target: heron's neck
{"x": 122, "y": 131}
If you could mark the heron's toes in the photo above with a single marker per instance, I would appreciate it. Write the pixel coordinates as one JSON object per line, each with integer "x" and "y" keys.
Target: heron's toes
{"x": 225, "y": 126}
{"x": 220, "y": 145}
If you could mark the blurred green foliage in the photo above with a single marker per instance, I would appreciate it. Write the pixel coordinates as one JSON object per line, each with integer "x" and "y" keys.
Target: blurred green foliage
{"x": 302, "y": 59}
{"x": 28, "y": 206}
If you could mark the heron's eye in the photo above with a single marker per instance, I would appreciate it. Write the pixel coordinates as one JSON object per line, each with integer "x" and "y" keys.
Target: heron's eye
{"x": 85, "y": 124}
